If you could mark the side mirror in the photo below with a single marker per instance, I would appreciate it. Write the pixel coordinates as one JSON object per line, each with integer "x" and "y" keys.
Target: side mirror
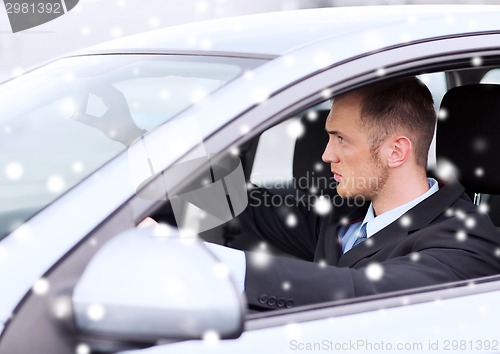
{"x": 149, "y": 284}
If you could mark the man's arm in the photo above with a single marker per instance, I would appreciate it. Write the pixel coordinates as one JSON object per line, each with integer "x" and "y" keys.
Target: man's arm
{"x": 429, "y": 256}
{"x": 287, "y": 221}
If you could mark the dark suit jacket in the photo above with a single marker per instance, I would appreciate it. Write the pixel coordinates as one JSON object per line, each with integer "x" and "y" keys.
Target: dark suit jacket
{"x": 447, "y": 239}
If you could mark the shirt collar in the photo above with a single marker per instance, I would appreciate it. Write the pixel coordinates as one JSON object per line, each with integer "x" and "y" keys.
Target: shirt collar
{"x": 377, "y": 223}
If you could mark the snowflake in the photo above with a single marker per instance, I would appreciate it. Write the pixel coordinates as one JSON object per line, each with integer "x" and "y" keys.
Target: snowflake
{"x": 460, "y": 214}
{"x": 326, "y": 93}
{"x": 442, "y": 114}
{"x": 235, "y": 151}
{"x": 480, "y": 145}
{"x": 461, "y": 235}
{"x": 322, "y": 206}
{"x": 77, "y": 167}
{"x": 286, "y": 285}
{"x": 477, "y": 61}
{"x": 322, "y": 264}
{"x": 82, "y": 348}
{"x": 318, "y": 166}
{"x": 96, "y": 312}
{"x": 405, "y": 221}
{"x": 295, "y": 129}
{"x": 260, "y": 259}
{"x": 291, "y": 220}
{"x": 248, "y": 75}
{"x": 62, "y": 308}
{"x": 244, "y": 129}
{"x": 211, "y": 338}
{"x": 312, "y": 116}
{"x": 446, "y": 170}
{"x": 479, "y": 172}
{"x": 470, "y": 222}
{"x": 484, "y": 208}
{"x": 374, "y": 272}
{"x": 41, "y": 287}
{"x": 14, "y": 171}
{"x": 405, "y": 300}
{"x": 415, "y": 256}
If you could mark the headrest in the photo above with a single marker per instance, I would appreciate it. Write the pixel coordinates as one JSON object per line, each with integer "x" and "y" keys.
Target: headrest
{"x": 468, "y": 136}
{"x": 309, "y": 171}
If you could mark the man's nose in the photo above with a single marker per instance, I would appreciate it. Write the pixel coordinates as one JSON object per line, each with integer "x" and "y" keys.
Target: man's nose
{"x": 329, "y": 155}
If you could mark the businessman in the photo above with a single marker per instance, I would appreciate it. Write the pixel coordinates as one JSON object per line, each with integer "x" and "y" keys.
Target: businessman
{"x": 411, "y": 232}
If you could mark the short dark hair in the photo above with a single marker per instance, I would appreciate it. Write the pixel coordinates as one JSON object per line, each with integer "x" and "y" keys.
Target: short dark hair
{"x": 388, "y": 106}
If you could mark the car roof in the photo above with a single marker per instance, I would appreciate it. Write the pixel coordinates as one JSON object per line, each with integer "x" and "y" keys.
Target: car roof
{"x": 274, "y": 34}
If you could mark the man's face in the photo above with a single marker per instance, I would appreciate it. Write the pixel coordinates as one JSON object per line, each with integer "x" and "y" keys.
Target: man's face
{"x": 358, "y": 170}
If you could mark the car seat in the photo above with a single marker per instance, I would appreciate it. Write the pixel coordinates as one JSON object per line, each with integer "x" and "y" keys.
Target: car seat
{"x": 467, "y": 139}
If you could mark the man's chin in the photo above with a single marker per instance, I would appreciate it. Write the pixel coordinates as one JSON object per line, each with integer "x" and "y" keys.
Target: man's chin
{"x": 349, "y": 194}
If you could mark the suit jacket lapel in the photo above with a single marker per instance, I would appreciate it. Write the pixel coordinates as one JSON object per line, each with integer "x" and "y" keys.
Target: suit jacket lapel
{"x": 416, "y": 218}
{"x": 328, "y": 248}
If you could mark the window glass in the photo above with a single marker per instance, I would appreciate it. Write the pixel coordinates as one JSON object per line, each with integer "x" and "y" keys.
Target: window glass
{"x": 491, "y": 77}
{"x": 60, "y": 123}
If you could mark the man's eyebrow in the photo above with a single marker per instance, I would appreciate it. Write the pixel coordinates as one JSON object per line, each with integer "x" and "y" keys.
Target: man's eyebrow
{"x": 333, "y": 132}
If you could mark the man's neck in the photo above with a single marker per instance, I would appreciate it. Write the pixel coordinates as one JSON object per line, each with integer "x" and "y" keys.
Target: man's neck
{"x": 399, "y": 191}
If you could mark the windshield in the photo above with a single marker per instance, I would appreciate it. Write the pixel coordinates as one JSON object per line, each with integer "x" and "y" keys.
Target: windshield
{"x": 60, "y": 123}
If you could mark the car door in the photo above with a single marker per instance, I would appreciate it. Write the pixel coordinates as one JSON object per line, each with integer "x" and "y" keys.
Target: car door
{"x": 301, "y": 328}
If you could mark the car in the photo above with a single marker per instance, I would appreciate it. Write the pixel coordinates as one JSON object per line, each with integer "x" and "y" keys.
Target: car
{"x": 172, "y": 125}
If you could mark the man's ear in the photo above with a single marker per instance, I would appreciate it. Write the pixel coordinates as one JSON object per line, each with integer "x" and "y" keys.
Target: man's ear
{"x": 399, "y": 150}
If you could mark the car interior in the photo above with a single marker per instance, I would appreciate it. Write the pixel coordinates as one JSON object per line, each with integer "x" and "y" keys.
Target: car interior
{"x": 466, "y": 137}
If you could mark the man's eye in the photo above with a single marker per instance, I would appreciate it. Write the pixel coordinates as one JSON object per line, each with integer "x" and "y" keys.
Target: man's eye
{"x": 340, "y": 138}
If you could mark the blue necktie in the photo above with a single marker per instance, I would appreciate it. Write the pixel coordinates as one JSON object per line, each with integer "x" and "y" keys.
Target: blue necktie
{"x": 361, "y": 237}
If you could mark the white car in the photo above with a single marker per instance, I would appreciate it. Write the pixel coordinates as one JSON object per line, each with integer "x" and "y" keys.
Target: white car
{"x": 173, "y": 124}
